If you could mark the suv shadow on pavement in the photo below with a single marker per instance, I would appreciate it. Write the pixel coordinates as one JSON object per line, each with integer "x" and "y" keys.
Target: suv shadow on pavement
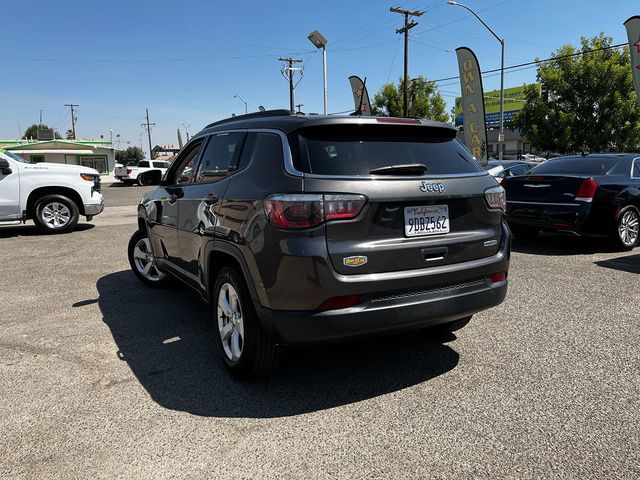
{"x": 561, "y": 245}
{"x": 168, "y": 342}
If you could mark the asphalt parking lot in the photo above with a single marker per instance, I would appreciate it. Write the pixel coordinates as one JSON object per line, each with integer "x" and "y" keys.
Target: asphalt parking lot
{"x": 101, "y": 377}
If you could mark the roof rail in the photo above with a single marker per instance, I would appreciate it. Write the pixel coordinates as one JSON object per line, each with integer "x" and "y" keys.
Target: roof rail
{"x": 266, "y": 113}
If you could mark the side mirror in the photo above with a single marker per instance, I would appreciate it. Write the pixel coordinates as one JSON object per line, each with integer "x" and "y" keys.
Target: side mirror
{"x": 5, "y": 167}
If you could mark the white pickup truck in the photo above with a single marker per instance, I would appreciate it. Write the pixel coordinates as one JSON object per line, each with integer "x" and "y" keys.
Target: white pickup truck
{"x": 53, "y": 195}
{"x": 145, "y": 173}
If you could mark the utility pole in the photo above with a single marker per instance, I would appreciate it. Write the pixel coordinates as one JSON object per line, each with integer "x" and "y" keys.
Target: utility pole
{"x": 290, "y": 69}
{"x": 148, "y": 126}
{"x": 40, "y": 118}
{"x": 407, "y": 26}
{"x": 73, "y": 118}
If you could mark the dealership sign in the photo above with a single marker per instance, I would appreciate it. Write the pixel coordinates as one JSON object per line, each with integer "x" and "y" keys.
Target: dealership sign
{"x": 514, "y": 101}
{"x": 472, "y": 104}
{"x": 633, "y": 32}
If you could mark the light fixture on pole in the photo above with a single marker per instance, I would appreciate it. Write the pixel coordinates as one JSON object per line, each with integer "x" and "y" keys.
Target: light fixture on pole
{"x": 245, "y": 103}
{"x": 319, "y": 41}
{"x": 501, "y": 40}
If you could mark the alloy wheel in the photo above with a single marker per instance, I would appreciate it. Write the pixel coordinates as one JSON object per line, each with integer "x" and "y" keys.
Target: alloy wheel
{"x": 230, "y": 322}
{"x": 55, "y": 215}
{"x": 628, "y": 228}
{"x": 145, "y": 262}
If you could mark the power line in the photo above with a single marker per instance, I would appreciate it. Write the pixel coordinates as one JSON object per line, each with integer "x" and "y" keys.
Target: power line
{"x": 172, "y": 27}
{"x": 536, "y": 62}
{"x": 393, "y": 60}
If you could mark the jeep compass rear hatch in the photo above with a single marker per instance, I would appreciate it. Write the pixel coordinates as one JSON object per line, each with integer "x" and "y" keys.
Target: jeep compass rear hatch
{"x": 397, "y": 197}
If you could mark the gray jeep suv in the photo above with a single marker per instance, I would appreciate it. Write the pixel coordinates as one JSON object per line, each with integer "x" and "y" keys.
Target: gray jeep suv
{"x": 301, "y": 229}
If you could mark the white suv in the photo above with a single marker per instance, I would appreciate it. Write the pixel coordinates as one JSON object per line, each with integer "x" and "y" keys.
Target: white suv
{"x": 52, "y": 195}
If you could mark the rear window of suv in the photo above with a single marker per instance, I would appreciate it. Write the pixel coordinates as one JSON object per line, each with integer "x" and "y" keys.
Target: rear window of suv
{"x": 355, "y": 150}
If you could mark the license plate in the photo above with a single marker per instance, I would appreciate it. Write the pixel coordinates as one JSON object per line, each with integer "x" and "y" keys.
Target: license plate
{"x": 426, "y": 220}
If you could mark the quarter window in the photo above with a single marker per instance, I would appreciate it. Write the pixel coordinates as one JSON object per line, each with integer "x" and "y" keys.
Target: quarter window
{"x": 635, "y": 172}
{"x": 265, "y": 146}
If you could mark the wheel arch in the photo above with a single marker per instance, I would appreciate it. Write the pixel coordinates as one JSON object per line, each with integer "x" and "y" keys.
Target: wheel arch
{"x": 221, "y": 255}
{"x": 38, "y": 193}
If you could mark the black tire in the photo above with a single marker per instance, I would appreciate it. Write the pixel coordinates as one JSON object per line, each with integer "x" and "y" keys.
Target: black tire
{"x": 54, "y": 214}
{"x": 523, "y": 232}
{"x": 451, "y": 327}
{"x": 628, "y": 220}
{"x": 155, "y": 277}
{"x": 259, "y": 355}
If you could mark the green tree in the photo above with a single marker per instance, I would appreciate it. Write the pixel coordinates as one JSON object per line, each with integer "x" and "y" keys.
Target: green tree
{"x": 32, "y": 132}
{"x": 130, "y": 156}
{"x": 588, "y": 100}
{"x": 428, "y": 102}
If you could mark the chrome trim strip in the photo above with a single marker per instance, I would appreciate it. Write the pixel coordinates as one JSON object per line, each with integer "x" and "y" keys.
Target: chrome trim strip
{"x": 545, "y": 203}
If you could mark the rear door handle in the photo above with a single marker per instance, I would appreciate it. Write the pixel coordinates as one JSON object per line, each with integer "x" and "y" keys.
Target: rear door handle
{"x": 211, "y": 199}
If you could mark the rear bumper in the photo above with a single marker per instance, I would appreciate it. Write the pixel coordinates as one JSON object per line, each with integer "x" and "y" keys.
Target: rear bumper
{"x": 391, "y": 301}
{"x": 549, "y": 216}
{"x": 402, "y": 311}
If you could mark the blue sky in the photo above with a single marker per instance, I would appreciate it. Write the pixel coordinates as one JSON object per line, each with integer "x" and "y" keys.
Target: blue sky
{"x": 186, "y": 60}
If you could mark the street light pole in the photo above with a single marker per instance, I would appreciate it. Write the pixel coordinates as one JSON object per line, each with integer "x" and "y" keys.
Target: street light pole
{"x": 501, "y": 40}
{"x": 319, "y": 41}
{"x": 245, "y": 103}
{"x": 324, "y": 76}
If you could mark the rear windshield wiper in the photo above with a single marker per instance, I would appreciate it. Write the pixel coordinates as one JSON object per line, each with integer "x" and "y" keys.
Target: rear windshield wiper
{"x": 405, "y": 169}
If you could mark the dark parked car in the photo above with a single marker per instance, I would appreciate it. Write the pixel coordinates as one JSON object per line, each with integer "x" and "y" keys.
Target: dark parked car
{"x": 508, "y": 168}
{"x": 594, "y": 195}
{"x": 302, "y": 229}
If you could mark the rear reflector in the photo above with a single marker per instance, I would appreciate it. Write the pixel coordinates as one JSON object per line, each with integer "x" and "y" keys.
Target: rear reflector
{"x": 292, "y": 211}
{"x": 498, "y": 277}
{"x": 337, "y": 303}
{"x": 587, "y": 190}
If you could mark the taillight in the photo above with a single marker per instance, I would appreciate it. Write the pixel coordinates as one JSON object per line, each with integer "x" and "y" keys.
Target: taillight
{"x": 129, "y": 170}
{"x": 503, "y": 182}
{"x": 587, "y": 190}
{"x": 342, "y": 207}
{"x": 293, "y": 211}
{"x": 337, "y": 303}
{"x": 496, "y": 197}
